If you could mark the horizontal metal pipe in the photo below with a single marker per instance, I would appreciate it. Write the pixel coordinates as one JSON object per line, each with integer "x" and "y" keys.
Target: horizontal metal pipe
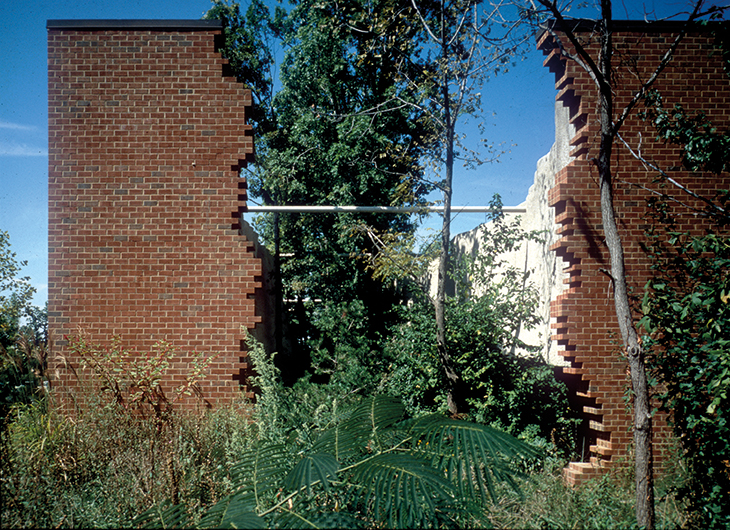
{"x": 378, "y": 209}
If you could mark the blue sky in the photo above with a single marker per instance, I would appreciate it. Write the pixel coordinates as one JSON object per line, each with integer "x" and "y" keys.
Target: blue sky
{"x": 522, "y": 102}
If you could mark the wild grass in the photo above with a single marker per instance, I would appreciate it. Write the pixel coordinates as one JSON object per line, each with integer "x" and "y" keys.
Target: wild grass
{"x": 105, "y": 466}
{"x": 603, "y": 503}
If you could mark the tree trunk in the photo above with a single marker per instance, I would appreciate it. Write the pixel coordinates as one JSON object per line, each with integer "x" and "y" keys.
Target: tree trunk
{"x": 452, "y": 377}
{"x": 630, "y": 338}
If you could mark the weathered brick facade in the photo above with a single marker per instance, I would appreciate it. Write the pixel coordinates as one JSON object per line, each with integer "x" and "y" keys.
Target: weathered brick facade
{"x": 585, "y": 325}
{"x": 147, "y": 134}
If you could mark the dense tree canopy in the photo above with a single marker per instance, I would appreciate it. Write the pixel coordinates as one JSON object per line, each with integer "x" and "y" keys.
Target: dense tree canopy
{"x": 334, "y": 133}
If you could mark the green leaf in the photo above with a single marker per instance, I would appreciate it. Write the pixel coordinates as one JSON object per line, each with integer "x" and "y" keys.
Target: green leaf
{"x": 261, "y": 470}
{"x": 312, "y": 469}
{"x": 163, "y": 515}
{"x": 233, "y": 511}
{"x": 315, "y": 519}
{"x": 473, "y": 455}
{"x": 400, "y": 490}
{"x": 364, "y": 425}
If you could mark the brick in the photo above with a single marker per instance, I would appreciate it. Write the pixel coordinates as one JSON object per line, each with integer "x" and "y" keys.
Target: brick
{"x": 692, "y": 78}
{"x": 130, "y": 238}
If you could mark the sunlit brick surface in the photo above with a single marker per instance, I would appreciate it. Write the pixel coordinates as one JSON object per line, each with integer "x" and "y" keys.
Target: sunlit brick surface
{"x": 146, "y": 138}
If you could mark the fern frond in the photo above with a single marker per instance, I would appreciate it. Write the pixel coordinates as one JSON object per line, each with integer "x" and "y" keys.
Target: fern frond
{"x": 364, "y": 427}
{"x": 163, "y": 515}
{"x": 474, "y": 456}
{"x": 261, "y": 470}
{"x": 233, "y": 511}
{"x": 400, "y": 489}
{"x": 312, "y": 469}
{"x": 315, "y": 519}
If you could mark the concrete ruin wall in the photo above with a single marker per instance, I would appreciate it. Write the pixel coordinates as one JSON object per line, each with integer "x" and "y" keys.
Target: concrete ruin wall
{"x": 147, "y": 134}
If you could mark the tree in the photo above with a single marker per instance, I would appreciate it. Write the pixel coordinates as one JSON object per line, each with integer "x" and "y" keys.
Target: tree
{"x": 456, "y": 46}
{"x": 22, "y": 344}
{"x": 15, "y": 292}
{"x": 329, "y": 147}
{"x": 249, "y": 39}
{"x": 324, "y": 144}
{"x": 610, "y": 122}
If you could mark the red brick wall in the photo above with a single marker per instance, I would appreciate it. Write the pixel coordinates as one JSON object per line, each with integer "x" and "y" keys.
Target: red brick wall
{"x": 146, "y": 138}
{"x": 585, "y": 324}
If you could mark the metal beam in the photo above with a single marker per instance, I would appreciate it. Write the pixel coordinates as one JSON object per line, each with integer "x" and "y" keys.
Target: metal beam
{"x": 378, "y": 209}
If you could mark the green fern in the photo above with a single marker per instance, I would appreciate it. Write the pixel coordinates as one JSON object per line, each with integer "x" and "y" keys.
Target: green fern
{"x": 233, "y": 511}
{"x": 372, "y": 468}
{"x": 163, "y": 515}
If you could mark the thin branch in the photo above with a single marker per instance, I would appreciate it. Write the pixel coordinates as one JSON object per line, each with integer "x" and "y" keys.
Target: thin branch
{"x": 669, "y": 179}
{"x": 668, "y": 55}
{"x": 583, "y": 58}
{"x": 423, "y": 22}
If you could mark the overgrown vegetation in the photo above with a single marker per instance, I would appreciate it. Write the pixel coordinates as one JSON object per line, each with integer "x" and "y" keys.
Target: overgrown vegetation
{"x": 301, "y": 456}
{"x": 358, "y": 435}
{"x": 105, "y": 469}
{"x": 687, "y": 313}
{"x": 23, "y": 334}
{"x": 686, "y": 310}
{"x": 504, "y": 382}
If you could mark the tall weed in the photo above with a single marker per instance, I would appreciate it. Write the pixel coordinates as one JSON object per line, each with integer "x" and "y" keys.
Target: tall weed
{"x": 604, "y": 503}
{"x": 107, "y": 465}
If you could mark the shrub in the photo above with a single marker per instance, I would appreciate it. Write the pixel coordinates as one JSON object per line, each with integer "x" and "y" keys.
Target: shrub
{"x": 687, "y": 316}
{"x": 372, "y": 467}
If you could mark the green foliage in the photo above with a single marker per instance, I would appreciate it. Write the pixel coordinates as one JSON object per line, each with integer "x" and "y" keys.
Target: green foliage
{"x": 15, "y": 292}
{"x": 335, "y": 133}
{"x": 248, "y": 45}
{"x": 370, "y": 467}
{"x": 106, "y": 464}
{"x": 134, "y": 381}
{"x": 504, "y": 383}
{"x": 605, "y": 503}
{"x": 704, "y": 147}
{"x": 23, "y": 335}
{"x": 687, "y": 316}
{"x": 359, "y": 467}
{"x": 517, "y": 393}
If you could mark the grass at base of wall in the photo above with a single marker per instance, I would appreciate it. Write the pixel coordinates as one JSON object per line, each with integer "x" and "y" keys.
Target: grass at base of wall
{"x": 104, "y": 467}
{"x": 602, "y": 503}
